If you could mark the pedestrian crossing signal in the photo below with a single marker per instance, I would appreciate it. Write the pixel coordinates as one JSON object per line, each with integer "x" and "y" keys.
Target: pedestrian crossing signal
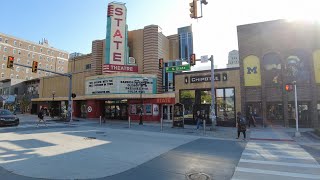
{"x": 289, "y": 87}
{"x": 34, "y": 66}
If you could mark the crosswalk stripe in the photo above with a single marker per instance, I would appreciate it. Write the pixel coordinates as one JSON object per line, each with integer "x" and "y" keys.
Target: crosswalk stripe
{"x": 278, "y": 156}
{"x": 273, "y": 144}
{"x": 315, "y": 165}
{"x": 270, "y": 147}
{"x": 269, "y": 172}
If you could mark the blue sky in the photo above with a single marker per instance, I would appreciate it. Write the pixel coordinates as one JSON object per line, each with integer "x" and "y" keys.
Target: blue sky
{"x": 72, "y": 25}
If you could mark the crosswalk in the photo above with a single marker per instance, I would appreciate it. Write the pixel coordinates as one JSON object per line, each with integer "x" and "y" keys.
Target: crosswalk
{"x": 276, "y": 161}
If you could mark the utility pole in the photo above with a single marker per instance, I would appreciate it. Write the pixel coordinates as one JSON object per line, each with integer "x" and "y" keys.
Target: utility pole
{"x": 297, "y": 133}
{"x": 213, "y": 113}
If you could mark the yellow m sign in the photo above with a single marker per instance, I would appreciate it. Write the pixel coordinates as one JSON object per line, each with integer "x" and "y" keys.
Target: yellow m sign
{"x": 251, "y": 69}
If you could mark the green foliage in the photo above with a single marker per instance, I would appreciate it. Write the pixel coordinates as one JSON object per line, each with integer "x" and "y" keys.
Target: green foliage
{"x": 187, "y": 94}
{"x": 24, "y": 103}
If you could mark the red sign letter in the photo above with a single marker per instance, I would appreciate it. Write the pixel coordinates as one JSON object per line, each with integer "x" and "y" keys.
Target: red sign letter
{"x": 117, "y": 33}
{"x": 117, "y": 42}
{"x": 119, "y": 11}
{"x": 118, "y": 21}
{"x": 116, "y": 56}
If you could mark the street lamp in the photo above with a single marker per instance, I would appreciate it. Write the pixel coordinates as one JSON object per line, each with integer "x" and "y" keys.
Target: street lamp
{"x": 142, "y": 83}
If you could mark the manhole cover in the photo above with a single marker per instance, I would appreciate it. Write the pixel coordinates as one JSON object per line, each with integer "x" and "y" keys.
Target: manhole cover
{"x": 198, "y": 176}
{"x": 100, "y": 132}
{"x": 89, "y": 138}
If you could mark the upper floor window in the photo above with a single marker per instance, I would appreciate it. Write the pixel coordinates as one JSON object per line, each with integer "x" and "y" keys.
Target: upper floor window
{"x": 18, "y": 60}
{"x": 32, "y": 56}
{"x": 6, "y": 40}
{"x": 14, "y": 51}
{"x": 0, "y": 38}
{"x": 48, "y": 59}
{"x": 48, "y": 51}
{"x": 11, "y": 76}
{"x": 34, "y": 48}
{"x": 2, "y": 75}
{"x": 3, "y": 66}
{"x": 40, "y": 49}
{"x": 19, "y": 52}
{"x": 88, "y": 66}
{"x": 47, "y": 66}
{"x": 51, "y": 67}
{"x": 51, "y": 53}
{"x": 20, "y": 44}
{"x": 14, "y": 43}
{"x": 29, "y": 47}
{"x": 28, "y": 62}
{"x": 40, "y": 57}
{"x": 5, "y": 49}
{"x": 39, "y": 65}
{"x": 63, "y": 55}
{"x": 17, "y": 76}
{"x": 59, "y": 62}
{"x": 18, "y": 69}
{"x": 51, "y": 59}
{"x": 4, "y": 58}
{"x": 29, "y": 55}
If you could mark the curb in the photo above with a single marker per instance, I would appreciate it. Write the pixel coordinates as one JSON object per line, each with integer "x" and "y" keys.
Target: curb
{"x": 266, "y": 139}
{"x": 313, "y": 135}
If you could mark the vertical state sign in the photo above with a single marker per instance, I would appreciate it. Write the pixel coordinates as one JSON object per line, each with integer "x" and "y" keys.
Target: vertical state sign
{"x": 116, "y": 39}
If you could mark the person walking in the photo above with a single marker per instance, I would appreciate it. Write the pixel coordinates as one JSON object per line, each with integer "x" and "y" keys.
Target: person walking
{"x": 41, "y": 117}
{"x": 252, "y": 119}
{"x": 199, "y": 119}
{"x": 241, "y": 125}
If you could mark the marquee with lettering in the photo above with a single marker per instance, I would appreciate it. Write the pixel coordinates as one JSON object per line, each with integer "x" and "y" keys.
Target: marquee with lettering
{"x": 120, "y": 85}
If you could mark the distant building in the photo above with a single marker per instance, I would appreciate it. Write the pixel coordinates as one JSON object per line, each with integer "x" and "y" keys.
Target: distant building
{"x": 233, "y": 59}
{"x": 24, "y": 52}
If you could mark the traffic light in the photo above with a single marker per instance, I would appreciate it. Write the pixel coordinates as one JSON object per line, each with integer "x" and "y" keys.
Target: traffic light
{"x": 10, "y": 62}
{"x": 193, "y": 59}
{"x": 161, "y": 63}
{"x": 289, "y": 87}
{"x": 73, "y": 95}
{"x": 34, "y": 66}
{"x": 193, "y": 9}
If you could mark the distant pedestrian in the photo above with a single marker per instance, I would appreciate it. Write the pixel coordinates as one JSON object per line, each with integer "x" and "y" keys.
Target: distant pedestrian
{"x": 241, "y": 125}
{"x": 41, "y": 117}
{"x": 199, "y": 119}
{"x": 252, "y": 119}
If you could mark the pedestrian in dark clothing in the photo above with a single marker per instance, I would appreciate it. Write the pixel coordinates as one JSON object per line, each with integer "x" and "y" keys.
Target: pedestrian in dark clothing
{"x": 41, "y": 117}
{"x": 252, "y": 119}
{"x": 199, "y": 119}
{"x": 241, "y": 125}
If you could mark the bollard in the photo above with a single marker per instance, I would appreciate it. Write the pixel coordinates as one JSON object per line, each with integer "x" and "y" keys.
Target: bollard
{"x": 129, "y": 121}
{"x": 161, "y": 124}
{"x": 204, "y": 126}
{"x": 100, "y": 121}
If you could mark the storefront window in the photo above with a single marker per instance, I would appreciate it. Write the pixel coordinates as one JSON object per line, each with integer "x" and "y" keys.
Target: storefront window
{"x": 274, "y": 113}
{"x": 206, "y": 97}
{"x": 187, "y": 98}
{"x": 225, "y": 105}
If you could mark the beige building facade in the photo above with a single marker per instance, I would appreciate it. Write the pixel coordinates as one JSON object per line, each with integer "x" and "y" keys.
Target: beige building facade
{"x": 193, "y": 90}
{"x": 25, "y": 52}
{"x": 146, "y": 46}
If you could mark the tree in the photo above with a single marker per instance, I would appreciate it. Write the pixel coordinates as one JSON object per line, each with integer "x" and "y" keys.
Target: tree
{"x": 24, "y": 103}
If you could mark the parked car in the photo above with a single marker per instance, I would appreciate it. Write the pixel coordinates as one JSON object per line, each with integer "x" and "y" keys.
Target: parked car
{"x": 7, "y": 118}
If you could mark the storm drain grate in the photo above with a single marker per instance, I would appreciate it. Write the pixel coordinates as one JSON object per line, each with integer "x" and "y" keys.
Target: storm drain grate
{"x": 198, "y": 176}
{"x": 89, "y": 138}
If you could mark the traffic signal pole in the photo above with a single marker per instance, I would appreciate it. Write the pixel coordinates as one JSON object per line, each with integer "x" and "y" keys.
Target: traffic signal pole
{"x": 69, "y": 75}
{"x": 297, "y": 133}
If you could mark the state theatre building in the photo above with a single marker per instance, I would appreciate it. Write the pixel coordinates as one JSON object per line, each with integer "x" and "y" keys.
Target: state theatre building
{"x": 273, "y": 54}
{"x": 193, "y": 90}
{"x": 120, "y": 78}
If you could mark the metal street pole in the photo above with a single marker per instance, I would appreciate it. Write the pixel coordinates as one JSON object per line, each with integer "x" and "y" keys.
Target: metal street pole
{"x": 297, "y": 133}
{"x": 213, "y": 114}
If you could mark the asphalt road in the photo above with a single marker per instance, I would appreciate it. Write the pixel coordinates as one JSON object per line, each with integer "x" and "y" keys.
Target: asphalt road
{"x": 216, "y": 158}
